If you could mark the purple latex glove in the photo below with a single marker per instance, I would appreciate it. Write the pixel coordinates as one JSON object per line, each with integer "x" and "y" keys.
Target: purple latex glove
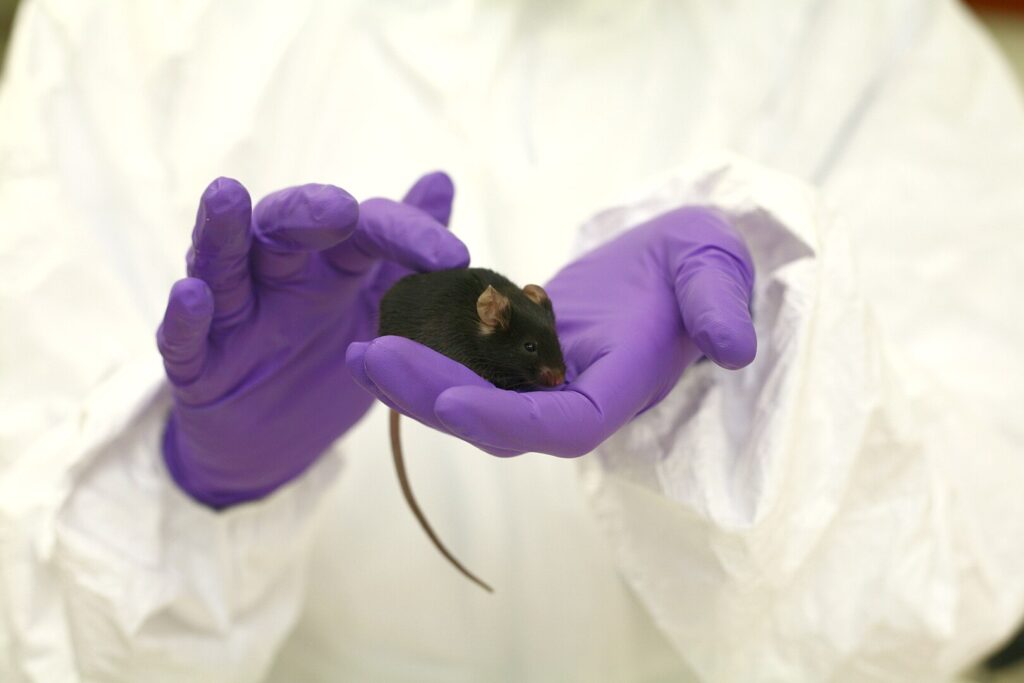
{"x": 632, "y": 315}
{"x": 254, "y": 339}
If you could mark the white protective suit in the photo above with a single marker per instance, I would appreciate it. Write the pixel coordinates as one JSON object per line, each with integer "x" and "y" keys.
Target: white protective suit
{"x": 848, "y": 508}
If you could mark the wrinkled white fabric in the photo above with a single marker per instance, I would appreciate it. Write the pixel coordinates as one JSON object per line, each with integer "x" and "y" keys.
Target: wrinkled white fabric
{"x": 845, "y": 509}
{"x": 804, "y": 512}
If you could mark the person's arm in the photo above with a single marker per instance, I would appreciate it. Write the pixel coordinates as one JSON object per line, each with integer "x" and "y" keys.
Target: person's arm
{"x": 725, "y": 505}
{"x": 142, "y": 573}
{"x": 110, "y": 567}
{"x": 864, "y": 520}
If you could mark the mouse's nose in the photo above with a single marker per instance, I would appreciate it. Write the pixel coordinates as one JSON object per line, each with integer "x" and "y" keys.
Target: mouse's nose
{"x": 550, "y": 377}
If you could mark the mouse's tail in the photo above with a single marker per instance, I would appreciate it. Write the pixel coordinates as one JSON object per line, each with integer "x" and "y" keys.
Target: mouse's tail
{"x": 403, "y": 480}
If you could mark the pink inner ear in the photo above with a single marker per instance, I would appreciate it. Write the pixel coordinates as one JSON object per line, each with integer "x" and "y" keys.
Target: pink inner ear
{"x": 493, "y": 308}
{"x": 535, "y": 293}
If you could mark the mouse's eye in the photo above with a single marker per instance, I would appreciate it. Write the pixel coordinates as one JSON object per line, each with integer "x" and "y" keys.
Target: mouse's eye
{"x": 530, "y": 346}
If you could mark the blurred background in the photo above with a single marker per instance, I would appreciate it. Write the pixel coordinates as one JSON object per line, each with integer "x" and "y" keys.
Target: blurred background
{"x": 1004, "y": 19}
{"x": 7, "y": 8}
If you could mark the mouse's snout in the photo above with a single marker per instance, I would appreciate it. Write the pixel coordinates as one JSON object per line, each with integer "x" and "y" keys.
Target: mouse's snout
{"x": 551, "y": 377}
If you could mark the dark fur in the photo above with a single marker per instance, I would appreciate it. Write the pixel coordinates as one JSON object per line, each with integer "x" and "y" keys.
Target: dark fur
{"x": 438, "y": 310}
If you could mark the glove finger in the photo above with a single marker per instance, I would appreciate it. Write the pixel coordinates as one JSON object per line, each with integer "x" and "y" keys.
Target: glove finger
{"x": 496, "y": 452}
{"x": 182, "y": 335}
{"x": 293, "y": 223}
{"x": 713, "y": 289}
{"x": 567, "y": 422}
{"x": 396, "y": 233}
{"x": 355, "y": 359}
{"x": 220, "y": 249}
{"x": 563, "y": 423}
{"x": 433, "y": 194}
{"x": 411, "y": 377}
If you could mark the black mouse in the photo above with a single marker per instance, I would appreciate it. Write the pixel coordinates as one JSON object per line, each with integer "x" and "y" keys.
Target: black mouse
{"x": 480, "y": 319}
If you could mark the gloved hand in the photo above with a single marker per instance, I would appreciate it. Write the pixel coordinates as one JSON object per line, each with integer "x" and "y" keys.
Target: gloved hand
{"x": 254, "y": 339}
{"x": 632, "y": 315}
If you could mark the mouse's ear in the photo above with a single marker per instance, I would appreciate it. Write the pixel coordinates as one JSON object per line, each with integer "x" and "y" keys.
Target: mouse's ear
{"x": 493, "y": 309}
{"x": 537, "y": 295}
